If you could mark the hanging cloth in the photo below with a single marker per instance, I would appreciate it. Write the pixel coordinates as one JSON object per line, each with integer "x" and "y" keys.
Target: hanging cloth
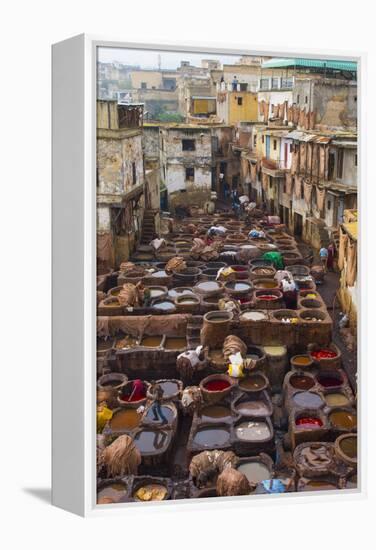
{"x": 298, "y": 187}
{"x": 320, "y": 198}
{"x": 351, "y": 263}
{"x": 343, "y": 238}
{"x": 307, "y": 192}
{"x": 288, "y": 183}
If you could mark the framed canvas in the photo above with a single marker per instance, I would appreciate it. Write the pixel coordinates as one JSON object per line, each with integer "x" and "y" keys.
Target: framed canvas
{"x": 207, "y": 280}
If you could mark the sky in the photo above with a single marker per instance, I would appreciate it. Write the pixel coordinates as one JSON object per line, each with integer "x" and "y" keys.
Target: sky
{"x": 148, "y": 59}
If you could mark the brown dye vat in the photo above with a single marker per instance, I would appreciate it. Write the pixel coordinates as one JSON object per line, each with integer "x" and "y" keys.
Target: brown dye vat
{"x": 262, "y": 272}
{"x": 211, "y": 438}
{"x": 255, "y": 472}
{"x": 310, "y": 303}
{"x": 255, "y": 382}
{"x": 313, "y": 315}
{"x": 125, "y": 420}
{"x": 252, "y": 431}
{"x": 152, "y": 441}
{"x": 301, "y": 382}
{"x": 113, "y": 491}
{"x": 258, "y": 262}
{"x": 265, "y": 283}
{"x": 343, "y": 420}
{"x": 336, "y": 399}
{"x": 104, "y": 345}
{"x": 215, "y": 412}
{"x": 308, "y": 399}
{"x": 346, "y": 449}
{"x": 175, "y": 343}
{"x": 151, "y": 341}
{"x": 126, "y": 342}
{"x": 319, "y": 485}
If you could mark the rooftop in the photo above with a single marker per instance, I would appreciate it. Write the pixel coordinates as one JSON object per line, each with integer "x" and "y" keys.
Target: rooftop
{"x": 278, "y": 63}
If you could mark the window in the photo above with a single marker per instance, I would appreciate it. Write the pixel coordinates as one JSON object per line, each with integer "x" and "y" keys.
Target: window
{"x": 284, "y": 187}
{"x": 340, "y": 163}
{"x": 356, "y": 159}
{"x": 188, "y": 144}
{"x": 290, "y": 147}
{"x": 240, "y": 101}
{"x": 254, "y": 141}
{"x": 190, "y": 174}
{"x": 263, "y": 139}
{"x": 306, "y": 99}
{"x": 297, "y": 98}
{"x": 264, "y": 83}
{"x": 275, "y": 82}
{"x": 243, "y": 86}
{"x": 274, "y": 144}
{"x": 144, "y": 85}
{"x": 355, "y": 99}
{"x": 328, "y": 205}
{"x": 134, "y": 174}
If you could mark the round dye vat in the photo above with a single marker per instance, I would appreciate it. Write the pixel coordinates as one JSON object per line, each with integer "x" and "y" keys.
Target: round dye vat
{"x": 151, "y": 341}
{"x": 336, "y": 399}
{"x": 255, "y": 407}
{"x": 253, "y": 431}
{"x": 266, "y": 284}
{"x": 343, "y": 420}
{"x": 308, "y": 422}
{"x": 150, "y": 492}
{"x": 167, "y": 411}
{"x": 267, "y": 297}
{"x": 114, "y": 491}
{"x": 255, "y": 472}
{"x": 308, "y": 399}
{"x": 323, "y": 354}
{"x": 125, "y": 419}
{"x": 349, "y": 447}
{"x": 217, "y": 385}
{"x": 156, "y": 293}
{"x": 315, "y": 485}
{"x": 252, "y": 383}
{"x": 215, "y": 412}
{"x": 208, "y": 286}
{"x": 302, "y": 360}
{"x": 150, "y": 441}
{"x": 253, "y": 316}
{"x": 175, "y": 343}
{"x": 329, "y": 380}
{"x": 161, "y": 273}
{"x": 173, "y": 293}
{"x": 165, "y": 306}
{"x": 238, "y": 287}
{"x": 275, "y": 351}
{"x": 211, "y": 437}
{"x": 301, "y": 382}
{"x": 169, "y": 388}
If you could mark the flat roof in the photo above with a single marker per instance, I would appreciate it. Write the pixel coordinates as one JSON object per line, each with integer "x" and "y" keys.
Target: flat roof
{"x": 310, "y": 64}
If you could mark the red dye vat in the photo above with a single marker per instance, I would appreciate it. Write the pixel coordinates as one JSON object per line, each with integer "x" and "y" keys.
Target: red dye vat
{"x": 308, "y": 422}
{"x": 244, "y": 300}
{"x": 217, "y": 385}
{"x": 327, "y": 381}
{"x": 269, "y": 297}
{"x": 324, "y": 354}
{"x": 239, "y": 268}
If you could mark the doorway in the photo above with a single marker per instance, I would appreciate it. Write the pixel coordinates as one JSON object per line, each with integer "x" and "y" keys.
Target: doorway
{"x": 298, "y": 224}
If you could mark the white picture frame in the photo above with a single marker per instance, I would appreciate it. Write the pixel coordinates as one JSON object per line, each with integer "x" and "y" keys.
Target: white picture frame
{"x": 73, "y": 270}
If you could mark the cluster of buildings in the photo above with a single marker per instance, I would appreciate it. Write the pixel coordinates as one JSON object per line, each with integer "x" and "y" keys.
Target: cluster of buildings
{"x": 283, "y": 131}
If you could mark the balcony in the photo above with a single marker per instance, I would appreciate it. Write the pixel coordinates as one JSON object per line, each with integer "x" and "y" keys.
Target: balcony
{"x": 273, "y": 168}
